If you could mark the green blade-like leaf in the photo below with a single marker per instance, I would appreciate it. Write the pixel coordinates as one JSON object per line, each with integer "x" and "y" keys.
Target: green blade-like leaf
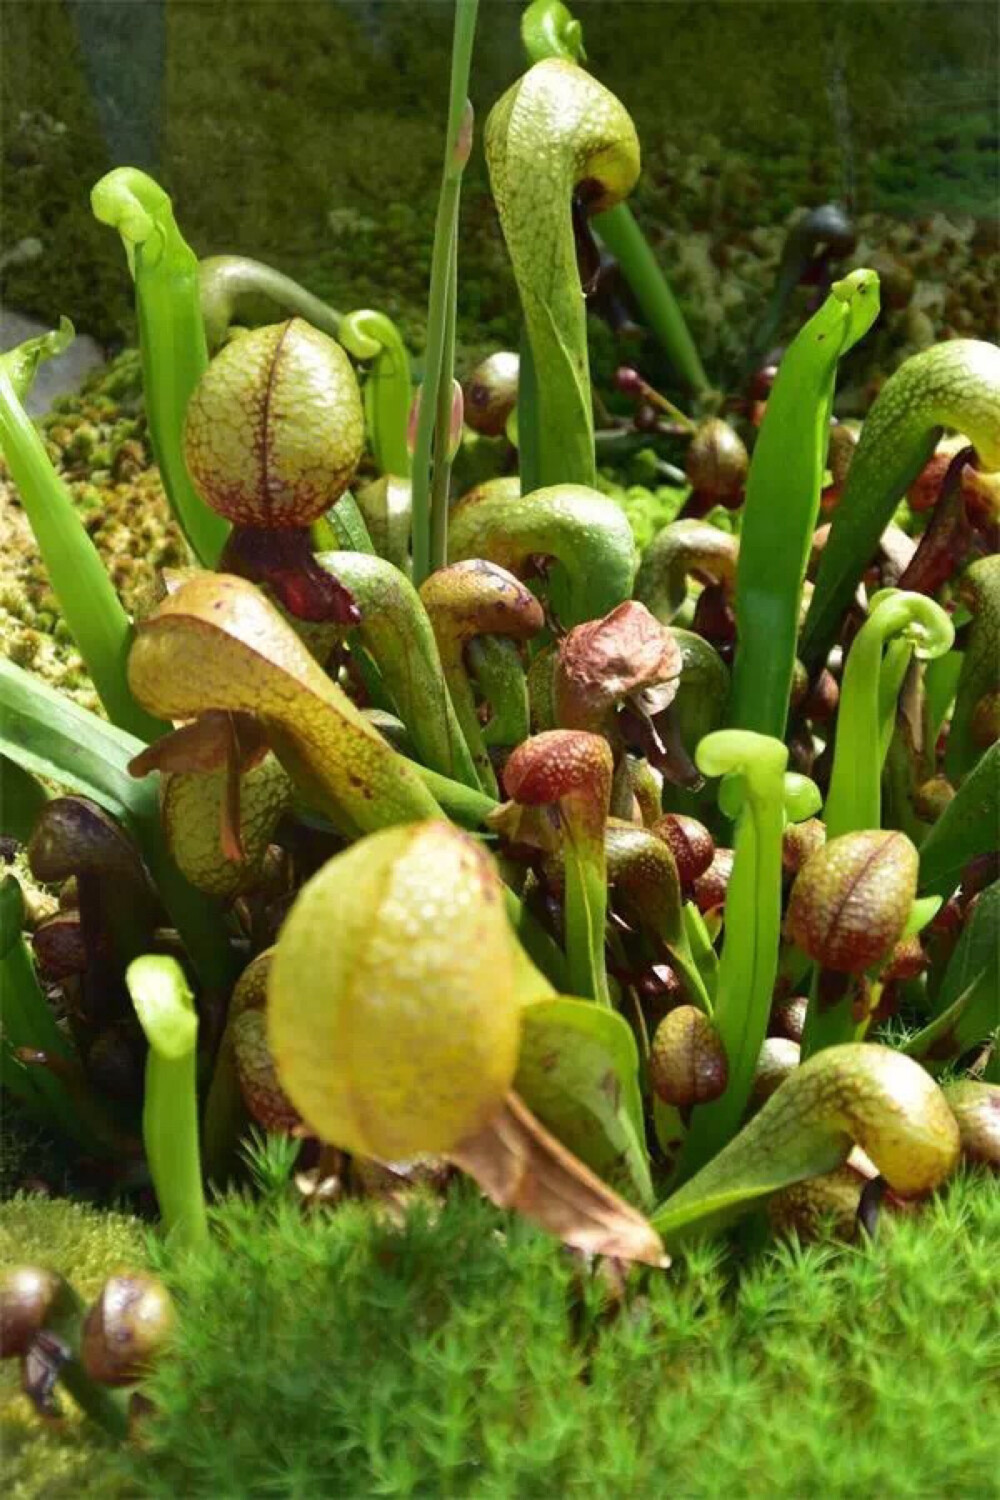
{"x": 970, "y": 991}
{"x": 935, "y": 1042}
{"x": 47, "y": 734}
{"x": 967, "y": 828}
{"x": 21, "y": 800}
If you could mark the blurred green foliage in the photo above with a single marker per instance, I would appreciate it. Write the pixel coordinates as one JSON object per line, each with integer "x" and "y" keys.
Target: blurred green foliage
{"x": 311, "y": 137}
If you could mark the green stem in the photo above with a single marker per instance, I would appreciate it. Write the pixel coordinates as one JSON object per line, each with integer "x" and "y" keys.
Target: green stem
{"x": 171, "y": 337}
{"x": 829, "y": 1023}
{"x": 627, "y": 243}
{"x": 465, "y": 805}
{"x": 28, "y": 1022}
{"x": 441, "y": 483}
{"x": 782, "y": 503}
{"x": 749, "y": 963}
{"x": 529, "y": 442}
{"x": 436, "y": 373}
{"x": 91, "y": 608}
{"x": 165, "y": 1008}
{"x": 585, "y": 910}
{"x": 198, "y": 919}
{"x": 868, "y": 700}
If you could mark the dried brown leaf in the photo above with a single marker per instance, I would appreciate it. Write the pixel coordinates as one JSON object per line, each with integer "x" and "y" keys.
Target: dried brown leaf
{"x": 519, "y": 1165}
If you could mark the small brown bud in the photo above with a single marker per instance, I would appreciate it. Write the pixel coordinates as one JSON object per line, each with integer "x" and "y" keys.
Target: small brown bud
{"x": 799, "y": 842}
{"x": 659, "y": 981}
{"x": 687, "y": 1061}
{"x": 947, "y": 921}
{"x": 985, "y": 726}
{"x": 690, "y": 842}
{"x": 852, "y": 898}
{"x": 932, "y": 797}
{"x": 710, "y": 888}
{"x": 27, "y": 1296}
{"x": 843, "y": 441}
{"x": 811, "y": 1208}
{"x": 779, "y": 1056}
{"x": 802, "y": 754}
{"x": 126, "y": 1328}
{"x": 976, "y": 1107}
{"x": 714, "y": 618}
{"x": 763, "y": 380}
{"x": 717, "y": 463}
{"x": 788, "y": 1018}
{"x": 629, "y": 381}
{"x": 491, "y": 393}
{"x": 462, "y": 148}
{"x": 907, "y": 960}
{"x": 659, "y": 991}
{"x": 821, "y": 702}
{"x": 59, "y": 945}
{"x": 800, "y": 685}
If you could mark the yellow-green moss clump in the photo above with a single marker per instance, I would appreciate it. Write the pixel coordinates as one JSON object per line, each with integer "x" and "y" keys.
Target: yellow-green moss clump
{"x": 85, "y": 1245}
{"x": 98, "y": 441}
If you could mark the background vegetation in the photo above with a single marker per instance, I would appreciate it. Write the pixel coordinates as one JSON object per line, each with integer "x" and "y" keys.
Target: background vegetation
{"x": 310, "y": 135}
